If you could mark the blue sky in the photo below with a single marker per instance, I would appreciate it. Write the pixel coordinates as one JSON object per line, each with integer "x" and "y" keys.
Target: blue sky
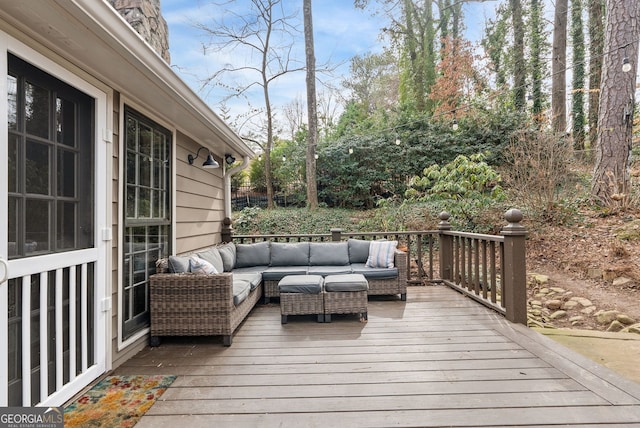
{"x": 340, "y": 32}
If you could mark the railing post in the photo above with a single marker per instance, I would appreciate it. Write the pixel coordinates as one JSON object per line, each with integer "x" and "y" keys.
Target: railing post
{"x": 446, "y": 246}
{"x": 515, "y": 272}
{"x": 336, "y": 234}
{"x": 227, "y": 230}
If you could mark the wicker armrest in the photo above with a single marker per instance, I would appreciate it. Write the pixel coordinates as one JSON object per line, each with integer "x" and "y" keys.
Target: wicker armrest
{"x": 400, "y": 261}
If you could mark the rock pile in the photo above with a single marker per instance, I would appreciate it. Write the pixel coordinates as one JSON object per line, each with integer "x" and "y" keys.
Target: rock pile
{"x": 555, "y": 307}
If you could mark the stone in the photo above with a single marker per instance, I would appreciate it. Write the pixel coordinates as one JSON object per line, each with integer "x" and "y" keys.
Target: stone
{"x": 558, "y": 290}
{"x": 589, "y": 310}
{"x": 571, "y": 304}
{"x": 544, "y": 290}
{"x": 539, "y": 278}
{"x": 622, "y": 281}
{"x": 615, "y": 326}
{"x": 633, "y": 329}
{"x": 584, "y": 302}
{"x": 625, "y": 319}
{"x": 606, "y": 317}
{"x": 557, "y": 315}
{"x": 536, "y": 312}
{"x": 595, "y": 273}
{"x": 535, "y": 303}
{"x": 553, "y": 304}
{"x": 576, "y": 319}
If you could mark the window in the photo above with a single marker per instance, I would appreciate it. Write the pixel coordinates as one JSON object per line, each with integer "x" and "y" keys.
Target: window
{"x": 147, "y": 223}
{"x": 50, "y": 166}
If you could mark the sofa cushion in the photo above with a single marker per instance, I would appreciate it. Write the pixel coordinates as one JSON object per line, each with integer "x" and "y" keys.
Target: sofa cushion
{"x": 258, "y": 254}
{"x": 276, "y": 273}
{"x": 201, "y": 266}
{"x": 289, "y": 253}
{"x": 329, "y": 270}
{"x": 241, "y": 290}
{"x": 212, "y": 255}
{"x": 358, "y": 250}
{"x": 228, "y": 255}
{"x": 381, "y": 254}
{"x": 374, "y": 273}
{"x": 307, "y": 284}
{"x": 328, "y": 254}
{"x": 254, "y": 279}
{"x": 178, "y": 264}
{"x": 250, "y": 269}
{"x": 351, "y": 282}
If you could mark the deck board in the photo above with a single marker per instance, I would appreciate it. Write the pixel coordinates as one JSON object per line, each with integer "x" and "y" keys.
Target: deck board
{"x": 438, "y": 359}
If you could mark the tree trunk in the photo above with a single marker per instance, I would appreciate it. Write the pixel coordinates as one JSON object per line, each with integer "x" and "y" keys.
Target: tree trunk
{"x": 610, "y": 183}
{"x": 577, "y": 96}
{"x": 558, "y": 69}
{"x": 596, "y": 48}
{"x": 312, "y": 110}
{"x": 520, "y": 66}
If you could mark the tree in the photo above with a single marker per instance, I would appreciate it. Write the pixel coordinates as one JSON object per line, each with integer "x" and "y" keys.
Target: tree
{"x": 558, "y": 68}
{"x": 610, "y": 183}
{"x": 519, "y": 64}
{"x": 577, "y": 95}
{"x": 266, "y": 34}
{"x": 538, "y": 48}
{"x": 312, "y": 111}
{"x": 596, "y": 49}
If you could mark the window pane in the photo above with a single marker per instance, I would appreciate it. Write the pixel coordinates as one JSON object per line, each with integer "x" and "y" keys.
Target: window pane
{"x": 36, "y": 110}
{"x": 13, "y": 226}
{"x": 66, "y": 173}
{"x": 145, "y": 139}
{"x": 131, "y": 168}
{"x": 65, "y": 122}
{"x": 132, "y": 134}
{"x": 66, "y": 227}
{"x": 145, "y": 171}
{"x": 13, "y": 163}
{"x": 144, "y": 203}
{"x": 131, "y": 202}
{"x": 12, "y": 102}
{"x": 37, "y": 214}
{"x": 37, "y": 168}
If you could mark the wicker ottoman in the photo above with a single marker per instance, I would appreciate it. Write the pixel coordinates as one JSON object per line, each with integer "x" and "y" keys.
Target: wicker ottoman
{"x": 301, "y": 295}
{"x": 345, "y": 294}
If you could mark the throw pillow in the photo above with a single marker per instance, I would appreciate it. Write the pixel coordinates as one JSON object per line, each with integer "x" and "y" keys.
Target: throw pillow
{"x": 358, "y": 250}
{"x": 381, "y": 254}
{"x": 201, "y": 266}
{"x": 212, "y": 255}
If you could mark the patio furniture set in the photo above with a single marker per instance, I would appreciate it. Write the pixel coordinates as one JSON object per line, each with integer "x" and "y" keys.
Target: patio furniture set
{"x": 210, "y": 292}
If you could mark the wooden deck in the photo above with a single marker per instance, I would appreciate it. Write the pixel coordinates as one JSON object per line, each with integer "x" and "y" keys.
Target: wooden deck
{"x": 439, "y": 359}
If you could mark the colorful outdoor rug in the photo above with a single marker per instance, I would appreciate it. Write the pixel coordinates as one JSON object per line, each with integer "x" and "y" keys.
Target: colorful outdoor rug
{"x": 116, "y": 401}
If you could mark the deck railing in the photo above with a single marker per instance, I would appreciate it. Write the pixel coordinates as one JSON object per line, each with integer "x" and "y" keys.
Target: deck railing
{"x": 488, "y": 268}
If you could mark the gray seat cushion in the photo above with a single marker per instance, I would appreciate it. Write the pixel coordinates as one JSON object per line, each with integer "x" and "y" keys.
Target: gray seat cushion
{"x": 328, "y": 254}
{"x": 307, "y": 284}
{"x": 228, "y": 254}
{"x": 178, "y": 264}
{"x": 374, "y": 273}
{"x": 276, "y": 273}
{"x": 212, "y": 255}
{"x": 241, "y": 290}
{"x": 250, "y": 269}
{"x": 254, "y": 279}
{"x": 351, "y": 282}
{"x": 329, "y": 270}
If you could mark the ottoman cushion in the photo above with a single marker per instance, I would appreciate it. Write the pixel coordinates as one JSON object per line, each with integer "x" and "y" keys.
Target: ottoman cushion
{"x": 307, "y": 284}
{"x": 348, "y": 282}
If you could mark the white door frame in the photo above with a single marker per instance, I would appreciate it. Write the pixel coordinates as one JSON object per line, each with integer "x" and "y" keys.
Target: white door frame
{"x": 99, "y": 255}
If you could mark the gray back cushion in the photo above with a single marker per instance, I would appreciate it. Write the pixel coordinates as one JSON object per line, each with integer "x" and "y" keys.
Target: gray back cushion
{"x": 257, "y": 254}
{"x": 328, "y": 254}
{"x": 212, "y": 256}
{"x": 289, "y": 253}
{"x": 178, "y": 264}
{"x": 358, "y": 250}
{"x": 228, "y": 254}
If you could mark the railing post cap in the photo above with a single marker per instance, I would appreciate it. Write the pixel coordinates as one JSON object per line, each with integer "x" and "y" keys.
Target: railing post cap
{"x": 226, "y": 221}
{"x": 514, "y": 216}
{"x": 335, "y": 229}
{"x": 444, "y": 221}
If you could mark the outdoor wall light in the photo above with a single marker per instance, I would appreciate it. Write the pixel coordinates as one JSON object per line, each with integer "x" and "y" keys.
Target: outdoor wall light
{"x": 209, "y": 163}
{"x": 229, "y": 159}
{"x": 455, "y": 125}
{"x": 626, "y": 65}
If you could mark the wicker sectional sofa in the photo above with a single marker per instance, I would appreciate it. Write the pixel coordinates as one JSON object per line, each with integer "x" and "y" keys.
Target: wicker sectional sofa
{"x": 183, "y": 303}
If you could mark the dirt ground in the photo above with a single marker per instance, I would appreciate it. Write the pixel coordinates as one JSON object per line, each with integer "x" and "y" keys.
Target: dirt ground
{"x": 597, "y": 259}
